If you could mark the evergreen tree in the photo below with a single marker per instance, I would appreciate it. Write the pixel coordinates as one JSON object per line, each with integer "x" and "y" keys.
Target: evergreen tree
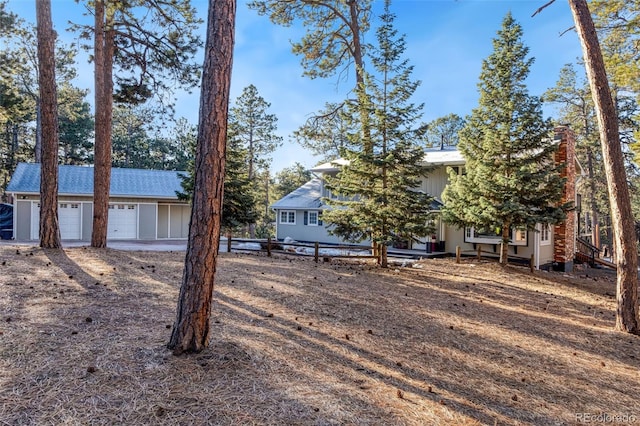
{"x": 291, "y": 178}
{"x": 255, "y": 129}
{"x": 511, "y": 179}
{"x": 378, "y": 191}
{"x": 443, "y": 131}
{"x": 76, "y": 126}
{"x": 626, "y": 251}
{"x": 191, "y": 330}
{"x": 324, "y": 133}
{"x": 239, "y": 203}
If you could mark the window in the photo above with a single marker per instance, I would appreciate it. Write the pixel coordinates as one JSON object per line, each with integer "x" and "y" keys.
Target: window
{"x": 120, "y": 206}
{"x": 313, "y": 219}
{"x": 63, "y": 205}
{"x": 75, "y": 206}
{"x": 545, "y": 235}
{"x": 131, "y": 207}
{"x": 520, "y": 235}
{"x": 111, "y": 207}
{"x": 494, "y": 235}
{"x": 288, "y": 217}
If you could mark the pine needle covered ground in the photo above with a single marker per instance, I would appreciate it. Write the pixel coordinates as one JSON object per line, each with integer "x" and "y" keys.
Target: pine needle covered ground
{"x": 83, "y": 334}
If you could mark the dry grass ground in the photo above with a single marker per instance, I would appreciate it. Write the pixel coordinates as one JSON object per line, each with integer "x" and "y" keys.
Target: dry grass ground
{"x": 83, "y": 334}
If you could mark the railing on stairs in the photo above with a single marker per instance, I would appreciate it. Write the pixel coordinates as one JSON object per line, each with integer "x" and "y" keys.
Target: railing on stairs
{"x": 586, "y": 252}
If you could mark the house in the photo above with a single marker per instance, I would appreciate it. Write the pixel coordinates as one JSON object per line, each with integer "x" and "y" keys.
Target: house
{"x": 143, "y": 204}
{"x": 299, "y": 214}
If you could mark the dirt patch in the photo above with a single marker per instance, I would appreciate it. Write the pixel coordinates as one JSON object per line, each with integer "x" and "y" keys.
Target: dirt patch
{"x": 83, "y": 335}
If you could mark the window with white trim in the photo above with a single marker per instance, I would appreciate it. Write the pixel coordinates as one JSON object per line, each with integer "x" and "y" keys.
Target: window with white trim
{"x": 545, "y": 235}
{"x": 313, "y": 218}
{"x": 288, "y": 217}
{"x": 494, "y": 236}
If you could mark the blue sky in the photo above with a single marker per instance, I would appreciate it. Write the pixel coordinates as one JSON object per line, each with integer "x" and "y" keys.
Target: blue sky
{"x": 446, "y": 43}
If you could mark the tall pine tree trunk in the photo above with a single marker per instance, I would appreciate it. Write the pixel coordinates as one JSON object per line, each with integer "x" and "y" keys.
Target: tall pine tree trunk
{"x": 103, "y": 59}
{"x": 37, "y": 149}
{"x": 504, "y": 245}
{"x": 595, "y": 217}
{"x": 49, "y": 227}
{"x": 191, "y": 329}
{"x": 626, "y": 256}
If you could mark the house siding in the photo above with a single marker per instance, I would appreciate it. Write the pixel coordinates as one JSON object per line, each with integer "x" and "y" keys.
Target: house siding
{"x": 179, "y": 217}
{"x": 163, "y": 221}
{"x": 22, "y": 220}
{"x": 87, "y": 221}
{"x": 147, "y": 222}
{"x": 305, "y": 233}
{"x": 435, "y": 182}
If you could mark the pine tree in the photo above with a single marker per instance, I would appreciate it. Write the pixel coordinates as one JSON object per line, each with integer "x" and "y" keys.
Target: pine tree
{"x": 49, "y": 224}
{"x": 255, "y": 131}
{"x": 191, "y": 330}
{"x": 511, "y": 180}
{"x": 239, "y": 203}
{"x": 379, "y": 192}
{"x": 626, "y": 251}
{"x": 443, "y": 131}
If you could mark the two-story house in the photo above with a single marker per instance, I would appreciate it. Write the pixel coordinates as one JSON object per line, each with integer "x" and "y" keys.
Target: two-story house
{"x": 299, "y": 214}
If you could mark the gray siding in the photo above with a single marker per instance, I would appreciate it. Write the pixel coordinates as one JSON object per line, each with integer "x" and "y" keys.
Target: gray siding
{"x": 435, "y": 182}
{"x": 147, "y": 221}
{"x": 302, "y": 232}
{"x": 22, "y": 220}
{"x": 179, "y": 221}
{"x": 87, "y": 221}
{"x": 163, "y": 221}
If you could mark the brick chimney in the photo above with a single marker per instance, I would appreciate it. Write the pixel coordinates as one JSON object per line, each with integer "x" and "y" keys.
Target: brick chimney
{"x": 564, "y": 233}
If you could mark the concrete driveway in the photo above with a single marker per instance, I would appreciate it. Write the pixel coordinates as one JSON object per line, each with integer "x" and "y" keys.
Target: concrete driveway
{"x": 129, "y": 245}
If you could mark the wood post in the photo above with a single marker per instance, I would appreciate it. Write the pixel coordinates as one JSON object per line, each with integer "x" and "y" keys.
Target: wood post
{"x": 316, "y": 251}
{"x": 269, "y": 246}
{"x": 531, "y": 264}
{"x": 458, "y": 254}
{"x": 479, "y": 251}
{"x": 229, "y": 242}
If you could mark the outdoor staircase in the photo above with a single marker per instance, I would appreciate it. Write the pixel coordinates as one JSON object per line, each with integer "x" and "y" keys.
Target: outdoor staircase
{"x": 588, "y": 253}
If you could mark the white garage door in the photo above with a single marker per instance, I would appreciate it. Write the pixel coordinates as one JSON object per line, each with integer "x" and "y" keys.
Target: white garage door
{"x": 69, "y": 220}
{"x": 122, "y": 221}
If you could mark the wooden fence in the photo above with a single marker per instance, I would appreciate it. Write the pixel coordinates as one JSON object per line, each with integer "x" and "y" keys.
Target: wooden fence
{"x": 315, "y": 249}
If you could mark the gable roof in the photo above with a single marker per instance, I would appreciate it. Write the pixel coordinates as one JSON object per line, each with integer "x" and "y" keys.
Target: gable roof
{"x": 308, "y": 196}
{"x": 78, "y": 180}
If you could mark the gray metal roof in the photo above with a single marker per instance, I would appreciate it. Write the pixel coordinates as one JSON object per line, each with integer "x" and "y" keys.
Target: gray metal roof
{"x": 308, "y": 196}
{"x": 78, "y": 180}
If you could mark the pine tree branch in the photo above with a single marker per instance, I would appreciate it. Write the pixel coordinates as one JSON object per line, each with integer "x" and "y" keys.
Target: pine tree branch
{"x": 540, "y": 9}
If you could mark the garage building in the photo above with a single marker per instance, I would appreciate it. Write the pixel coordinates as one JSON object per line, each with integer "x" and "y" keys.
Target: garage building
{"x": 143, "y": 204}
